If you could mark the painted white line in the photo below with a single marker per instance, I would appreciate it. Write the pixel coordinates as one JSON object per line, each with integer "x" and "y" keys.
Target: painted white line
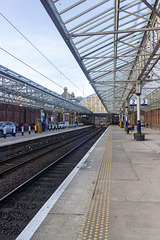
{"x": 30, "y": 229}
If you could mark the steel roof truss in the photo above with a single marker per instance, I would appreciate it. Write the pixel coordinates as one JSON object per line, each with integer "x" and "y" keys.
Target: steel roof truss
{"x": 20, "y": 89}
{"x": 115, "y": 56}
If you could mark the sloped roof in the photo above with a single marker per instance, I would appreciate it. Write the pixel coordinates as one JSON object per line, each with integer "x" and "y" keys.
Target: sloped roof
{"x": 115, "y": 42}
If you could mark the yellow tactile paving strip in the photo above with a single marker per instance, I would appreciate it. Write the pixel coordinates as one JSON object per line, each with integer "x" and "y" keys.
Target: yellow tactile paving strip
{"x": 96, "y": 221}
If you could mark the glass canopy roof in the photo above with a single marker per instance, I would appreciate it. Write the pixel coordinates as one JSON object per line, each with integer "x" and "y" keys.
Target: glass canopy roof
{"x": 19, "y": 90}
{"x": 115, "y": 42}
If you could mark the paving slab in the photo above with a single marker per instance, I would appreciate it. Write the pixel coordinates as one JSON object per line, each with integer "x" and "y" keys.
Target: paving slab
{"x": 135, "y": 187}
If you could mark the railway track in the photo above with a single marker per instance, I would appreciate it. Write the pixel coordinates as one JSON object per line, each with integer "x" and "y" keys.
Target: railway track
{"x": 13, "y": 163}
{"x": 19, "y": 206}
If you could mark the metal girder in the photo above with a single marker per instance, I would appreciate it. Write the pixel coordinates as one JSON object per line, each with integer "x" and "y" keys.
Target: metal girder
{"x": 115, "y": 32}
{"x": 150, "y": 6}
{"x": 53, "y": 13}
{"x": 153, "y": 100}
{"x": 116, "y": 43}
{"x": 16, "y": 89}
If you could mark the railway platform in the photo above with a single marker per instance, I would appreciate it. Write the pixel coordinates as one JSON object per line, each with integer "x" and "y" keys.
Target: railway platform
{"x": 112, "y": 194}
{"x": 10, "y": 140}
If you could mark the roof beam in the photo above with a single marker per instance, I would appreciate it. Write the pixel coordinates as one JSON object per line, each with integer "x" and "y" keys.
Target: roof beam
{"x": 55, "y": 17}
{"x": 114, "y": 44}
{"x": 150, "y": 6}
{"x": 114, "y": 32}
{"x": 13, "y": 83}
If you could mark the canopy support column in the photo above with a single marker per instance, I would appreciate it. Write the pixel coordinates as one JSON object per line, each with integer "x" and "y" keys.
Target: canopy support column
{"x": 126, "y": 115}
{"x": 138, "y": 107}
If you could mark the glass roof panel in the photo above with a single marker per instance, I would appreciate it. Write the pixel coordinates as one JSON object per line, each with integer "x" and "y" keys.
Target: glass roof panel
{"x": 115, "y": 42}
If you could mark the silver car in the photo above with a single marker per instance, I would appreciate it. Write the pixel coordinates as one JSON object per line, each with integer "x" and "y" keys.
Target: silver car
{"x": 9, "y": 126}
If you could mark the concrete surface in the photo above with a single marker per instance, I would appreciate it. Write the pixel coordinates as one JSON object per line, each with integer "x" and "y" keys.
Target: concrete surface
{"x": 134, "y": 211}
{"x": 135, "y": 187}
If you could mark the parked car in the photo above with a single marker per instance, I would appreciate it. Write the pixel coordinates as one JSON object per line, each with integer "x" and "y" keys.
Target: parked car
{"x": 32, "y": 126}
{"x": 9, "y": 126}
{"x": 50, "y": 125}
{"x": 16, "y": 125}
{"x": 61, "y": 125}
{"x": 25, "y": 125}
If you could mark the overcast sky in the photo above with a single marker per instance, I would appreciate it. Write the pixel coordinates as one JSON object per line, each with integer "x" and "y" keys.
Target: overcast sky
{"x": 32, "y": 20}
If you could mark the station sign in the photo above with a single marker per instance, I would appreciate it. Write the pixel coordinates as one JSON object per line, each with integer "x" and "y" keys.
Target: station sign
{"x": 133, "y": 102}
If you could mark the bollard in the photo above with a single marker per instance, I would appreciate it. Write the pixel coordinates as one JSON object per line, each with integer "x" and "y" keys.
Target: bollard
{"x": 4, "y": 132}
{"x": 52, "y": 127}
{"x": 49, "y": 127}
{"x": 22, "y": 131}
{"x": 35, "y": 128}
{"x": 14, "y": 132}
{"x": 29, "y": 129}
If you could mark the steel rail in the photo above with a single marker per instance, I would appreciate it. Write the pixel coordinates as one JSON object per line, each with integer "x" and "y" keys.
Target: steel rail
{"x": 38, "y": 155}
{"x": 33, "y": 178}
